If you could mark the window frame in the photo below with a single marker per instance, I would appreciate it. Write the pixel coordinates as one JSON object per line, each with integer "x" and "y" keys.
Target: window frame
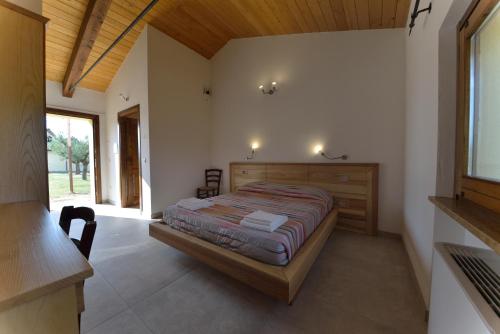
{"x": 479, "y": 190}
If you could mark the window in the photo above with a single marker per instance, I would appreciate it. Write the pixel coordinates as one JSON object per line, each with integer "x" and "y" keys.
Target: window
{"x": 484, "y": 104}
{"x": 478, "y": 130}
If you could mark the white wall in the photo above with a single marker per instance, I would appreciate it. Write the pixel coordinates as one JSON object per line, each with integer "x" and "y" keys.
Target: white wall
{"x": 166, "y": 79}
{"x": 421, "y": 138}
{"x": 33, "y": 5}
{"x": 132, "y": 81}
{"x": 343, "y": 89}
{"x": 83, "y": 100}
{"x": 430, "y": 134}
{"x": 179, "y": 119}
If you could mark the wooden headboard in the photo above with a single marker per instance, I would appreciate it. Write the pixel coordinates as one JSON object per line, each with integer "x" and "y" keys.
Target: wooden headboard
{"x": 353, "y": 186}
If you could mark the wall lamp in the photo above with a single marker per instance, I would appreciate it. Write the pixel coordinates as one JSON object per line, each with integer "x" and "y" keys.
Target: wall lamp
{"x": 270, "y": 91}
{"x": 318, "y": 149}
{"x": 254, "y": 147}
{"x": 124, "y": 97}
{"x": 207, "y": 91}
{"x": 417, "y": 12}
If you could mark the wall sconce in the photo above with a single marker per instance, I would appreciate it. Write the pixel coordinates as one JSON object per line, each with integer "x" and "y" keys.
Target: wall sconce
{"x": 254, "y": 147}
{"x": 124, "y": 97}
{"x": 318, "y": 149}
{"x": 269, "y": 91}
{"x": 207, "y": 91}
{"x": 416, "y": 12}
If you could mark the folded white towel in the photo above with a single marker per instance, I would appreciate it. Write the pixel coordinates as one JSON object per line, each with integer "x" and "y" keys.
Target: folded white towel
{"x": 265, "y": 217}
{"x": 260, "y": 227}
{"x": 192, "y": 200}
{"x": 263, "y": 221}
{"x": 194, "y": 204}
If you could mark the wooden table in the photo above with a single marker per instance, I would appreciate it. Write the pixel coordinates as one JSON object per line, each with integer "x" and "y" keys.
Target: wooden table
{"x": 41, "y": 273}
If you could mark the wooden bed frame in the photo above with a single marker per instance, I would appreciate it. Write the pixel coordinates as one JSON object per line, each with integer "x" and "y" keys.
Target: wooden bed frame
{"x": 281, "y": 282}
{"x": 354, "y": 186}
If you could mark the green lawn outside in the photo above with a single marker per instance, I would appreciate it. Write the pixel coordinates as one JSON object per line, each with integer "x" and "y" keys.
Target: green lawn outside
{"x": 59, "y": 185}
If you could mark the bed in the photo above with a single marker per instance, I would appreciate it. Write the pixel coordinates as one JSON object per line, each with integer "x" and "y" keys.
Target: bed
{"x": 275, "y": 263}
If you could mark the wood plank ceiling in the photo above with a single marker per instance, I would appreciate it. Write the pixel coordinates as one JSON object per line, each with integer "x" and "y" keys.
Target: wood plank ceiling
{"x": 204, "y": 25}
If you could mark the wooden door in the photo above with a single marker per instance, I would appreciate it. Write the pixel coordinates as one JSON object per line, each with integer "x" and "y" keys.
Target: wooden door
{"x": 129, "y": 159}
{"x": 132, "y": 156}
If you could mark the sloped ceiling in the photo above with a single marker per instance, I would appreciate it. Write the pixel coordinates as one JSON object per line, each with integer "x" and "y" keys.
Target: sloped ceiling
{"x": 204, "y": 25}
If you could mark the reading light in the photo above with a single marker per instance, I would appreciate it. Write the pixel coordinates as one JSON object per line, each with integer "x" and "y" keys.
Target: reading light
{"x": 254, "y": 146}
{"x": 318, "y": 149}
{"x": 269, "y": 91}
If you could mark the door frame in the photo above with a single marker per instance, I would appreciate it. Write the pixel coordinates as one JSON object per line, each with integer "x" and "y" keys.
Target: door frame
{"x": 97, "y": 144}
{"x": 123, "y": 114}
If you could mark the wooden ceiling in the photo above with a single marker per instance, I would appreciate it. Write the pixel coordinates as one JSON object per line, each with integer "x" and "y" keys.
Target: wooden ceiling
{"x": 204, "y": 25}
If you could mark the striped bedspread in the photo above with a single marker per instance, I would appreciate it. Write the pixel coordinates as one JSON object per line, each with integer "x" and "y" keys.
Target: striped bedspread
{"x": 304, "y": 206}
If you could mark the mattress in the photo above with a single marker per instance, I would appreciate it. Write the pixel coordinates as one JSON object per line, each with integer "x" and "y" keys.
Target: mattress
{"x": 305, "y": 207}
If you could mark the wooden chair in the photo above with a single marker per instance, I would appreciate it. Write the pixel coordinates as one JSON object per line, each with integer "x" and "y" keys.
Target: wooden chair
{"x": 84, "y": 244}
{"x": 68, "y": 213}
{"x": 212, "y": 184}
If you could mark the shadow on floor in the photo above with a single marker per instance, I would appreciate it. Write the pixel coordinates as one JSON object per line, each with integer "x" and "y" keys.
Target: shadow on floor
{"x": 359, "y": 284}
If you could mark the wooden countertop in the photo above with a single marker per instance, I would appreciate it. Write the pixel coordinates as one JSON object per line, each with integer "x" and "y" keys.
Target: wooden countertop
{"x": 482, "y": 222}
{"x": 36, "y": 256}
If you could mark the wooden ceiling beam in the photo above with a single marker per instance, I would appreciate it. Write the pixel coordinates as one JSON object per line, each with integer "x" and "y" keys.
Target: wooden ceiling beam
{"x": 89, "y": 29}
{"x": 76, "y": 41}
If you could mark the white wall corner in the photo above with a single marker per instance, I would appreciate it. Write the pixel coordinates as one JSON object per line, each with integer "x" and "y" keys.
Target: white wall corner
{"x": 131, "y": 80}
{"x": 84, "y": 100}
{"x": 327, "y": 83}
{"x": 419, "y": 273}
{"x": 32, "y": 5}
{"x": 176, "y": 78}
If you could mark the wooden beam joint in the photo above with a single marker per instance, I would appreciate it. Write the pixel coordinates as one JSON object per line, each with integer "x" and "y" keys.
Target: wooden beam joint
{"x": 89, "y": 29}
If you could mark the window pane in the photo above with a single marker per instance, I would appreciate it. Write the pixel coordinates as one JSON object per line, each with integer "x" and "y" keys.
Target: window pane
{"x": 484, "y": 131}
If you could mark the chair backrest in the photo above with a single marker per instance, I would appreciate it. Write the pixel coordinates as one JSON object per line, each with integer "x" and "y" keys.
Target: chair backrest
{"x": 213, "y": 178}
{"x": 69, "y": 213}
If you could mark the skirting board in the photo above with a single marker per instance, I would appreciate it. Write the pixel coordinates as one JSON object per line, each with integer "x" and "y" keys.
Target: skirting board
{"x": 109, "y": 201}
{"x": 157, "y": 215}
{"x": 391, "y": 235}
{"x": 417, "y": 270}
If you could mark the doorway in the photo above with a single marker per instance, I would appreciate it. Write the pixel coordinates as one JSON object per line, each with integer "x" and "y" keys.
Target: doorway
{"x": 130, "y": 152}
{"x": 73, "y": 156}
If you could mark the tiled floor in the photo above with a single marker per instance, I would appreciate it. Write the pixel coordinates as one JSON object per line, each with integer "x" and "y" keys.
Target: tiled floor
{"x": 359, "y": 284}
